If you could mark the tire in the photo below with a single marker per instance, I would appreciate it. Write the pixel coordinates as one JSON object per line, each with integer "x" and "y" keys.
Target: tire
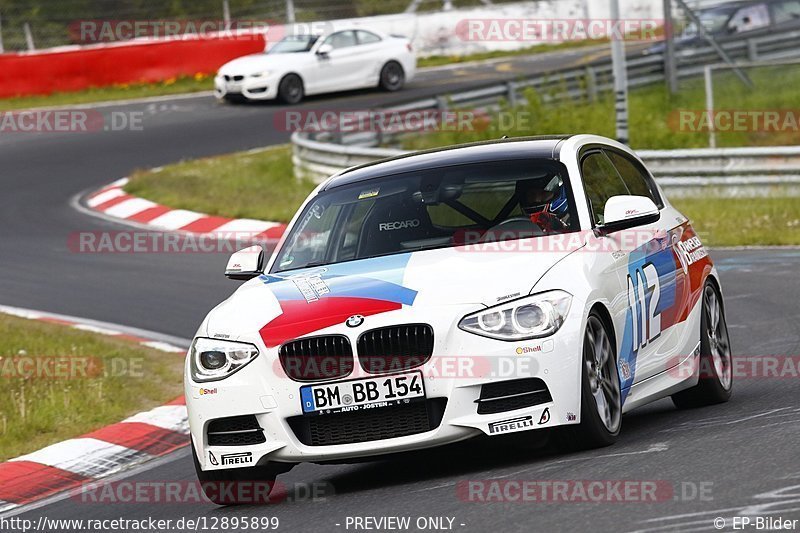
{"x": 716, "y": 375}
{"x": 238, "y": 486}
{"x": 393, "y": 77}
{"x": 290, "y": 89}
{"x": 601, "y": 398}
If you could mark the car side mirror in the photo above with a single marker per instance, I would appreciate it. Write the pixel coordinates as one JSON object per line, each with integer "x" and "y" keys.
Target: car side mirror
{"x": 246, "y": 263}
{"x": 623, "y": 212}
{"x": 324, "y": 50}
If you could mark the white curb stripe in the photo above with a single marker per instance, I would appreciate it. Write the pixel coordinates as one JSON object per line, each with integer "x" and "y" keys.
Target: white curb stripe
{"x": 5, "y": 506}
{"x": 96, "y": 329}
{"x": 128, "y": 208}
{"x": 86, "y": 456}
{"x": 163, "y": 346}
{"x": 176, "y": 219}
{"x": 245, "y": 225}
{"x": 104, "y": 197}
{"x": 169, "y": 417}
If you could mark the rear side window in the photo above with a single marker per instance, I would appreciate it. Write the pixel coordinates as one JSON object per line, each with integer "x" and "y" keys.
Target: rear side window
{"x": 636, "y": 178}
{"x": 367, "y": 37}
{"x": 601, "y": 181}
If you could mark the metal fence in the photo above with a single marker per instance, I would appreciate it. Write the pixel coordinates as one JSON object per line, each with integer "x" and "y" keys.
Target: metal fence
{"x": 740, "y": 171}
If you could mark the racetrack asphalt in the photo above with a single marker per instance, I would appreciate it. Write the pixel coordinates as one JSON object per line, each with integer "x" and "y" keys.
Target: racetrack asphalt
{"x": 725, "y": 460}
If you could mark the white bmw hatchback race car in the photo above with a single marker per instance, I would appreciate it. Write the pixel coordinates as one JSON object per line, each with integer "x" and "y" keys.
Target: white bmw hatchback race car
{"x": 300, "y": 65}
{"x": 518, "y": 285}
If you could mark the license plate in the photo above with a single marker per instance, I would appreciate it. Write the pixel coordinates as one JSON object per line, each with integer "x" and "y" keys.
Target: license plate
{"x": 358, "y": 394}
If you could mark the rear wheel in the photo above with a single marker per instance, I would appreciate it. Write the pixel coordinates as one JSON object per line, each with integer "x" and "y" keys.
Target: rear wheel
{"x": 290, "y": 89}
{"x": 392, "y": 77}
{"x": 716, "y": 372}
{"x": 601, "y": 400}
{"x": 238, "y": 486}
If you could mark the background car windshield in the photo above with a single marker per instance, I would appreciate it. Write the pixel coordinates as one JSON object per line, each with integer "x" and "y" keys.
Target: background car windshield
{"x": 294, "y": 43}
{"x": 713, "y": 20}
{"x": 432, "y": 208}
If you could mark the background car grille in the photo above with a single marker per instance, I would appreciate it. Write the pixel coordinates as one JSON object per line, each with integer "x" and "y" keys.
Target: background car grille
{"x": 510, "y": 395}
{"x": 235, "y": 431}
{"x": 317, "y": 358}
{"x": 395, "y": 347}
{"x": 370, "y": 424}
{"x": 234, "y": 78}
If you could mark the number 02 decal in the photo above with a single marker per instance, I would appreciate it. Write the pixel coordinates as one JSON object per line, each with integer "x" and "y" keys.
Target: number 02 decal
{"x": 644, "y": 292}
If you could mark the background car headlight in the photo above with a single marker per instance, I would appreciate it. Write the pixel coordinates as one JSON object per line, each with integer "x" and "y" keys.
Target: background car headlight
{"x": 214, "y": 359}
{"x": 534, "y": 316}
{"x": 259, "y": 74}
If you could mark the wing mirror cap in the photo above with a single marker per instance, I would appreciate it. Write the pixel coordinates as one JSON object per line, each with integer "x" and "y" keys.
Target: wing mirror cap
{"x": 623, "y": 212}
{"x": 246, "y": 263}
{"x": 324, "y": 49}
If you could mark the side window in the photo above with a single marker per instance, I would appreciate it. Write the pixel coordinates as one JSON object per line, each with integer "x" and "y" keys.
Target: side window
{"x": 367, "y": 37}
{"x": 749, "y": 18}
{"x": 786, "y": 11}
{"x": 636, "y": 178}
{"x": 601, "y": 181}
{"x": 342, "y": 39}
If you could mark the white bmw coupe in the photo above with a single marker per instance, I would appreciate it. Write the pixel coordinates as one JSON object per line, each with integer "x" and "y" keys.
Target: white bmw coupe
{"x": 520, "y": 285}
{"x": 300, "y": 65}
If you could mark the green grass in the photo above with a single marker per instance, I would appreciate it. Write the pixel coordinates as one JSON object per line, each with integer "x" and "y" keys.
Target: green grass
{"x": 257, "y": 185}
{"x": 773, "y": 220}
{"x": 439, "y": 60}
{"x": 187, "y": 84}
{"x": 113, "y": 379}
{"x": 653, "y": 114}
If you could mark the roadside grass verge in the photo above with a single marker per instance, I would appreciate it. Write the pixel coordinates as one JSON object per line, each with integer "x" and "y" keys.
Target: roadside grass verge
{"x": 655, "y": 120}
{"x": 59, "y": 382}
{"x": 439, "y": 60}
{"x": 187, "y": 84}
{"x": 258, "y": 185}
{"x": 262, "y": 186}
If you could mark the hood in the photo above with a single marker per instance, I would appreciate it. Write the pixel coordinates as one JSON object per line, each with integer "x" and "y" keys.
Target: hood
{"x": 247, "y": 65}
{"x": 299, "y": 302}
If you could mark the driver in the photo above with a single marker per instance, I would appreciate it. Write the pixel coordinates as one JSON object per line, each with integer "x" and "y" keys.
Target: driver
{"x": 544, "y": 202}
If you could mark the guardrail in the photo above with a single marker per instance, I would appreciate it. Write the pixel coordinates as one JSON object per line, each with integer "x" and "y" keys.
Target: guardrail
{"x": 741, "y": 171}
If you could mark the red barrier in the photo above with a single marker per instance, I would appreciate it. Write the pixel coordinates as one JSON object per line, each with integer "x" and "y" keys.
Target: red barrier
{"x": 97, "y": 66}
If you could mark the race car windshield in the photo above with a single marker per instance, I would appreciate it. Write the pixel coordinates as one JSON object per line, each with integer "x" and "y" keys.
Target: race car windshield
{"x": 431, "y": 208}
{"x": 293, "y": 44}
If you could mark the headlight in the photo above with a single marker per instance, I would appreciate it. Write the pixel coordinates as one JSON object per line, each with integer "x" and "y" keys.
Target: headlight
{"x": 259, "y": 74}
{"x": 214, "y": 359}
{"x": 530, "y": 317}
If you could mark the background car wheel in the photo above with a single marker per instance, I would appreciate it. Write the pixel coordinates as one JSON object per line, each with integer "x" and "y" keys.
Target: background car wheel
{"x": 392, "y": 77}
{"x": 716, "y": 373}
{"x": 290, "y": 89}
{"x": 238, "y": 486}
{"x": 601, "y": 399}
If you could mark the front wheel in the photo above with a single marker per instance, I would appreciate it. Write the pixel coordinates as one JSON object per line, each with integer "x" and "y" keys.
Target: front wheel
{"x": 237, "y": 486}
{"x": 392, "y": 77}
{"x": 716, "y": 373}
{"x": 290, "y": 89}
{"x": 601, "y": 399}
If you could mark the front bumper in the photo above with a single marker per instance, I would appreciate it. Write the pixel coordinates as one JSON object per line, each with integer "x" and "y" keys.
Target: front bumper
{"x": 461, "y": 364}
{"x": 252, "y": 88}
